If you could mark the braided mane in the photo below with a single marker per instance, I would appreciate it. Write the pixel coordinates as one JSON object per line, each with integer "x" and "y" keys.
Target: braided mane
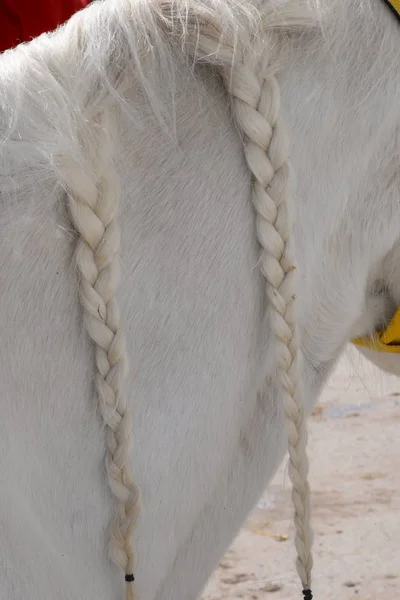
{"x": 241, "y": 53}
{"x": 240, "y": 40}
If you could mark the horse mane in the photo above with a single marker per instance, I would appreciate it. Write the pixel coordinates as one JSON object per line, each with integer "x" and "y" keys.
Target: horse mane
{"x": 58, "y": 98}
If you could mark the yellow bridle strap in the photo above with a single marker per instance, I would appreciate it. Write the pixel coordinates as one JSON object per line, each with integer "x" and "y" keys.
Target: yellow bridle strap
{"x": 395, "y": 6}
{"x": 387, "y": 340}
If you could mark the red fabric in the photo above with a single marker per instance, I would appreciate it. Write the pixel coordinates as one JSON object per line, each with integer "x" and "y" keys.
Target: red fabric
{"x": 21, "y": 20}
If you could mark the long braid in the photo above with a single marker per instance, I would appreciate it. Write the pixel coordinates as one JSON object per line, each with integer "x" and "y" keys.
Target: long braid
{"x": 93, "y": 208}
{"x": 256, "y": 104}
{"x": 255, "y": 96}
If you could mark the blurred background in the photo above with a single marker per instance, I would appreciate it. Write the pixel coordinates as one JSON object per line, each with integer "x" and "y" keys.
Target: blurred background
{"x": 21, "y": 20}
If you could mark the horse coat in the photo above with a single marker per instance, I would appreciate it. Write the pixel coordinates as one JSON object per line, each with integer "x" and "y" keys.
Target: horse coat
{"x": 121, "y": 103}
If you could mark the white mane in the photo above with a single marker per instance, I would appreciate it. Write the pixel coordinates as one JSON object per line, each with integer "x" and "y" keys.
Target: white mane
{"x": 83, "y": 73}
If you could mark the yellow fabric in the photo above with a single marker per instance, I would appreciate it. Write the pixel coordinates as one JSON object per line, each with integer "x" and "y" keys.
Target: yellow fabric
{"x": 387, "y": 340}
{"x": 395, "y": 5}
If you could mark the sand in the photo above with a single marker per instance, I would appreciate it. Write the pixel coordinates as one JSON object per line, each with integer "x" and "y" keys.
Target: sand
{"x": 354, "y": 440}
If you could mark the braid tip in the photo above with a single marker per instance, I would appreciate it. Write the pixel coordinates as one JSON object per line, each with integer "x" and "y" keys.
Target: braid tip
{"x": 129, "y": 588}
{"x": 307, "y": 595}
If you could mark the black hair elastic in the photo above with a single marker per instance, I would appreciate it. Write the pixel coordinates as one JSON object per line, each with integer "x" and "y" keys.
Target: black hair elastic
{"x": 129, "y": 577}
{"x": 307, "y": 594}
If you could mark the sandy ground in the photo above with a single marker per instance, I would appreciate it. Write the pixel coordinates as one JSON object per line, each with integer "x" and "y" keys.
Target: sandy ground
{"x": 355, "y": 481}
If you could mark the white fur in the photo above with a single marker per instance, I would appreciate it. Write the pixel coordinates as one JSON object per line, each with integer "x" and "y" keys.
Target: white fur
{"x": 208, "y": 431}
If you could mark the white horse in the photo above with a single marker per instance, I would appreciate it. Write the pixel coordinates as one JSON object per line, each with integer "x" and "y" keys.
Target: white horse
{"x": 129, "y": 95}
